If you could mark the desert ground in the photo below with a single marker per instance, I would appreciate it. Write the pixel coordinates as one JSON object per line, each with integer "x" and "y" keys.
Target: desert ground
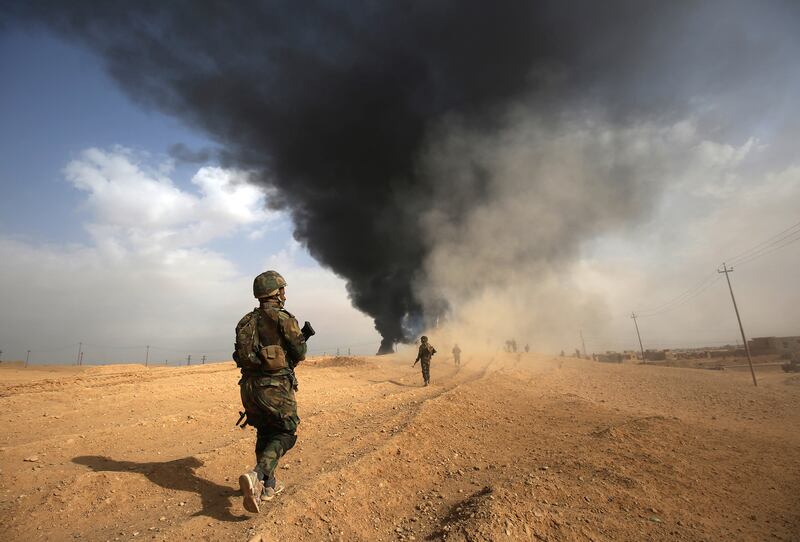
{"x": 505, "y": 447}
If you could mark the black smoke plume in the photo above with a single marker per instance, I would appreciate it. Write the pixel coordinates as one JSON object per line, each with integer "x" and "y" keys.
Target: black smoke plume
{"x": 333, "y": 102}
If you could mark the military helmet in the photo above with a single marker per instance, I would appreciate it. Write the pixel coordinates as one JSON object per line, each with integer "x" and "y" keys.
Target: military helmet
{"x": 267, "y": 284}
{"x": 424, "y": 338}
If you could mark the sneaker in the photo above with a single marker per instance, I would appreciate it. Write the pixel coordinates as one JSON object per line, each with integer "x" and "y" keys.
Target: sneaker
{"x": 272, "y": 488}
{"x": 252, "y": 489}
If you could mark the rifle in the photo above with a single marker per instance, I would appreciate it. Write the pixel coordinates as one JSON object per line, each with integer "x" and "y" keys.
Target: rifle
{"x": 242, "y": 416}
{"x": 307, "y": 330}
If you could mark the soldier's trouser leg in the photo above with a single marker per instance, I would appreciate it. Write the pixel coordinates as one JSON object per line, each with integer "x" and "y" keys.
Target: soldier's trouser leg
{"x": 426, "y": 370}
{"x": 272, "y": 410}
{"x": 270, "y": 447}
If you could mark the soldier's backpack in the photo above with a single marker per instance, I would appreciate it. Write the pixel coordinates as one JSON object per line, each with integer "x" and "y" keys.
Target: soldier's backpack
{"x": 247, "y": 343}
{"x": 249, "y": 353}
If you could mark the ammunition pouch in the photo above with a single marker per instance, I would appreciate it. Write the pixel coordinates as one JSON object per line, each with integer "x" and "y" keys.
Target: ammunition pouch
{"x": 273, "y": 358}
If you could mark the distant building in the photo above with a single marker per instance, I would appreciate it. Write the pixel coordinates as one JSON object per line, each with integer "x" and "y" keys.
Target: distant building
{"x": 774, "y": 345}
{"x": 655, "y": 355}
{"x": 728, "y": 351}
{"x": 610, "y": 357}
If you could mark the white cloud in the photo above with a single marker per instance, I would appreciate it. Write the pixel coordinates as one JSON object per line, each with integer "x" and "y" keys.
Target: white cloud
{"x": 149, "y": 276}
{"x": 137, "y": 206}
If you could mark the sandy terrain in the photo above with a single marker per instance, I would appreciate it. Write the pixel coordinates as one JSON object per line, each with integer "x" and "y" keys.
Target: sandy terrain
{"x": 533, "y": 448}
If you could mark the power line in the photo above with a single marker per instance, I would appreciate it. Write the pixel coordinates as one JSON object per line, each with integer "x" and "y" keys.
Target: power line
{"x": 765, "y": 252}
{"x": 781, "y": 235}
{"x": 682, "y": 299}
{"x": 777, "y": 241}
{"x": 54, "y": 349}
{"x": 110, "y": 347}
{"x": 680, "y": 296}
{"x": 601, "y": 340}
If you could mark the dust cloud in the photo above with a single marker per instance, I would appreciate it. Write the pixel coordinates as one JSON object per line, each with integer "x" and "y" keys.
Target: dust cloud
{"x": 534, "y": 193}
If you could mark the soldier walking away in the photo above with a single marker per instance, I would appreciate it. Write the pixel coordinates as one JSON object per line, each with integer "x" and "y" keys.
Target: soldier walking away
{"x": 269, "y": 345}
{"x": 426, "y": 352}
{"x": 456, "y": 354}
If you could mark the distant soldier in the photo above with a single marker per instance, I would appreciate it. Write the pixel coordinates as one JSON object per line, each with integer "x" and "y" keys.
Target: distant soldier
{"x": 527, "y": 348}
{"x": 269, "y": 345}
{"x": 426, "y": 352}
{"x": 456, "y": 355}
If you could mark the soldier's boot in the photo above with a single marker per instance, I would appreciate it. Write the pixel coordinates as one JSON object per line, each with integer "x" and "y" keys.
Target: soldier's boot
{"x": 271, "y": 488}
{"x": 252, "y": 489}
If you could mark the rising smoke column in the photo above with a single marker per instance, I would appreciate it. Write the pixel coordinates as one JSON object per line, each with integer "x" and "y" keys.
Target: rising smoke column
{"x": 333, "y": 103}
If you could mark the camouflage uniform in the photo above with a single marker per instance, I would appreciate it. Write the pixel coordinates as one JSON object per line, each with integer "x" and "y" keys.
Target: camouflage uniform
{"x": 426, "y": 352}
{"x": 268, "y": 396}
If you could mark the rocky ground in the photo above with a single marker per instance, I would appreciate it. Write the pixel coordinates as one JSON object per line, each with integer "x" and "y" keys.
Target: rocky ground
{"x": 503, "y": 448}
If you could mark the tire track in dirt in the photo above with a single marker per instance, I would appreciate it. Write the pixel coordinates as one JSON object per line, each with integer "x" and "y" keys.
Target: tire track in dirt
{"x": 300, "y": 512}
{"x": 89, "y": 381}
{"x": 334, "y": 458}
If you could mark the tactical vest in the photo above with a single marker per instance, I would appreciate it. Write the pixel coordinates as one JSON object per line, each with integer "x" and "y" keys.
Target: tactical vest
{"x": 426, "y": 351}
{"x": 258, "y": 345}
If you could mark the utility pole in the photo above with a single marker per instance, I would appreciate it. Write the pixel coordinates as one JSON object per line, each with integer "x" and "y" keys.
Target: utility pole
{"x": 189, "y": 359}
{"x": 80, "y": 360}
{"x": 27, "y": 358}
{"x": 348, "y": 350}
{"x": 725, "y": 269}
{"x": 147, "y": 356}
{"x": 583, "y": 343}
{"x": 80, "y": 349}
{"x": 204, "y": 359}
{"x": 633, "y": 315}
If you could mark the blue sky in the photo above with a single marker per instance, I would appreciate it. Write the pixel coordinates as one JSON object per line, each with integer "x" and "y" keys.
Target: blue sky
{"x": 58, "y": 103}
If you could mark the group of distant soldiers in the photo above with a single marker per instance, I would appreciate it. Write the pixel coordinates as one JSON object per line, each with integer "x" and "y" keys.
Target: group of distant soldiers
{"x": 511, "y": 346}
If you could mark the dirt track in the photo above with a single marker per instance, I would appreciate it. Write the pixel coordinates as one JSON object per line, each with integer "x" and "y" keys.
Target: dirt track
{"x": 502, "y": 449}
